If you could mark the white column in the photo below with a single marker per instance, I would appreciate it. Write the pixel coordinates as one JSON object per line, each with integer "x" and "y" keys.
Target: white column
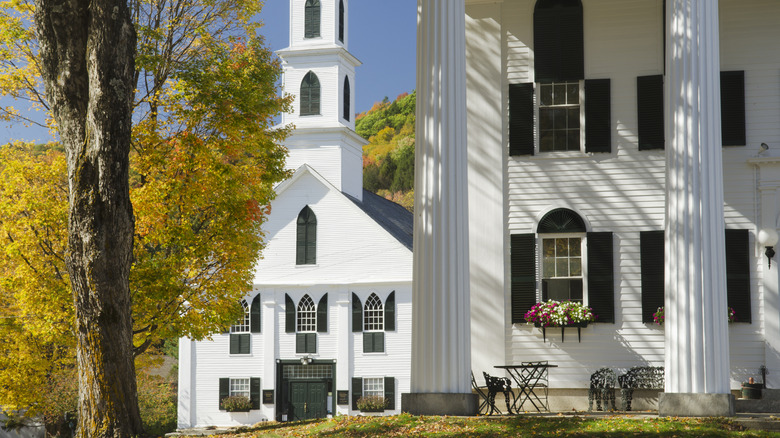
{"x": 441, "y": 350}
{"x": 697, "y": 349}
{"x": 346, "y": 354}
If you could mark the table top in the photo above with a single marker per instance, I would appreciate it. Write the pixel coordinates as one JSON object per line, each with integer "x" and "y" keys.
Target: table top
{"x": 526, "y": 365}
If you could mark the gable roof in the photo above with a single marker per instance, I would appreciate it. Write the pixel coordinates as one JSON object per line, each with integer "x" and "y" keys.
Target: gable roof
{"x": 395, "y": 219}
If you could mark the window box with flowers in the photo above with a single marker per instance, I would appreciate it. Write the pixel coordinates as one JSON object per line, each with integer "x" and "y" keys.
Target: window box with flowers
{"x": 237, "y": 403}
{"x": 372, "y": 403}
{"x": 561, "y": 314}
{"x": 659, "y": 317}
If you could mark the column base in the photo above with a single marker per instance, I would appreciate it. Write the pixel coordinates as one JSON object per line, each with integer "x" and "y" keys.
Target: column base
{"x": 696, "y": 405}
{"x": 440, "y": 404}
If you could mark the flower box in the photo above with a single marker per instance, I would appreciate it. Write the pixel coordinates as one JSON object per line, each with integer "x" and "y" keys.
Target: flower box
{"x": 563, "y": 314}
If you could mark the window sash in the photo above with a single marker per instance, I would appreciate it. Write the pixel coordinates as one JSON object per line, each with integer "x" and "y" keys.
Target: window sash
{"x": 560, "y": 116}
{"x": 239, "y": 387}
{"x": 373, "y": 386}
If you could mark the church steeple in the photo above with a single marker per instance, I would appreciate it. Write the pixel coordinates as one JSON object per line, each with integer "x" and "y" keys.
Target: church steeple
{"x": 319, "y": 72}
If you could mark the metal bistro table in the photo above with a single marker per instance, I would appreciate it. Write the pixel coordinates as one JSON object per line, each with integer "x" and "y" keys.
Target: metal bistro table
{"x": 529, "y": 377}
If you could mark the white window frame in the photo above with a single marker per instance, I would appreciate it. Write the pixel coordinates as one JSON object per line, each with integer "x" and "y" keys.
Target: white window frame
{"x": 374, "y": 317}
{"x": 584, "y": 260}
{"x": 537, "y": 117}
{"x": 242, "y": 325}
{"x": 306, "y": 317}
{"x": 373, "y": 386}
{"x": 240, "y": 386}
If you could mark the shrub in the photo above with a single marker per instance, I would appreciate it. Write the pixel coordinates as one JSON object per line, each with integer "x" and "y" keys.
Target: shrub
{"x": 236, "y": 403}
{"x": 372, "y": 403}
{"x": 157, "y": 404}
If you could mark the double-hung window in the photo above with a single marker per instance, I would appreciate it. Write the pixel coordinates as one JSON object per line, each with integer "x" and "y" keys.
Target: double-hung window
{"x": 239, "y": 387}
{"x": 559, "y": 116}
{"x": 562, "y": 268}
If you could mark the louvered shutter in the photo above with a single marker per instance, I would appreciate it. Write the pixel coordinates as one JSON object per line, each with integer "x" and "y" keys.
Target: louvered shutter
{"x": 255, "y": 312}
{"x": 235, "y": 345}
{"x": 732, "y": 108}
{"x": 357, "y": 391}
{"x": 650, "y": 112}
{"x": 601, "y": 276}
{"x": 346, "y": 99}
{"x": 598, "y": 116}
{"x": 651, "y": 251}
{"x": 254, "y": 392}
{"x": 322, "y": 314}
{"x": 738, "y": 273}
{"x": 357, "y": 314}
{"x": 311, "y": 239}
{"x": 289, "y": 314}
{"x": 521, "y": 119}
{"x": 390, "y": 392}
{"x": 341, "y": 20}
{"x": 312, "y": 19}
{"x": 300, "y": 343}
{"x": 244, "y": 343}
{"x": 390, "y": 312}
{"x": 368, "y": 342}
{"x": 311, "y": 342}
{"x": 558, "y": 41}
{"x": 224, "y": 390}
{"x": 523, "y": 271}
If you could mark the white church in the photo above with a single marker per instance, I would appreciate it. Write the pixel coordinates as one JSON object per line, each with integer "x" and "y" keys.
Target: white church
{"x": 329, "y": 318}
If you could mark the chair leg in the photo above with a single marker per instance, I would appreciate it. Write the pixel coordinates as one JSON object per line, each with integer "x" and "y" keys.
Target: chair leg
{"x": 507, "y": 396}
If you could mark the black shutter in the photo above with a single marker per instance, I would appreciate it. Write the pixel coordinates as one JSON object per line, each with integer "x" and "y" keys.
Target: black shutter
{"x": 390, "y": 312}
{"x": 312, "y": 19}
{"x": 311, "y": 342}
{"x": 521, "y": 119}
{"x": 651, "y": 251}
{"x": 311, "y": 234}
{"x": 738, "y": 273}
{"x": 357, "y": 314}
{"x": 224, "y": 390}
{"x": 368, "y": 342}
{"x": 601, "y": 276}
{"x": 732, "y": 108}
{"x": 390, "y": 392}
{"x": 650, "y": 112}
{"x": 346, "y": 99}
{"x": 234, "y": 343}
{"x": 523, "y": 268}
{"x": 300, "y": 343}
{"x": 300, "y": 240}
{"x": 289, "y": 314}
{"x": 598, "y": 116}
{"x": 254, "y": 392}
{"x": 357, "y": 391}
{"x": 341, "y": 21}
{"x": 322, "y": 314}
{"x": 255, "y": 311}
{"x": 558, "y": 41}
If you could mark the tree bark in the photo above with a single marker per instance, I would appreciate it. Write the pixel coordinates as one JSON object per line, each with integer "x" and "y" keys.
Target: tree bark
{"x": 87, "y": 54}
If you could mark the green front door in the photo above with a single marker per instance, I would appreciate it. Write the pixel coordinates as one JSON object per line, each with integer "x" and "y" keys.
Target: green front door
{"x": 308, "y": 400}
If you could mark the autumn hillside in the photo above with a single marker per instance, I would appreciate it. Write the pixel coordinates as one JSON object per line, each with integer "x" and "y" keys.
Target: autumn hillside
{"x": 388, "y": 159}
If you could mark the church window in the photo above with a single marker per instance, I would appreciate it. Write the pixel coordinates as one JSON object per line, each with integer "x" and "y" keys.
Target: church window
{"x": 341, "y": 20}
{"x": 306, "y": 245}
{"x": 346, "y": 98}
{"x": 310, "y": 95}
{"x": 312, "y": 19}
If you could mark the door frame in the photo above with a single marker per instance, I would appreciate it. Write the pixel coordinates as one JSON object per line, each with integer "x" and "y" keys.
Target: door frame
{"x": 283, "y": 385}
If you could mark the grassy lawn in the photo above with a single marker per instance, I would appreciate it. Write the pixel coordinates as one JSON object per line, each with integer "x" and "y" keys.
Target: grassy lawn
{"x": 518, "y": 426}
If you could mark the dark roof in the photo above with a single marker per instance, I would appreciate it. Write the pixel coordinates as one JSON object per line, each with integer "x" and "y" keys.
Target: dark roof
{"x": 395, "y": 219}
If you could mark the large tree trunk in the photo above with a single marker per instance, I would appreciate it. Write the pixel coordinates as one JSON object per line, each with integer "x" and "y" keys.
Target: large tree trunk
{"x": 87, "y": 53}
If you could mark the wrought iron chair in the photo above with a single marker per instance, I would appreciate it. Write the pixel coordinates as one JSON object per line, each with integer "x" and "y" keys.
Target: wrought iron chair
{"x": 494, "y": 386}
{"x": 639, "y": 378}
{"x": 602, "y": 388}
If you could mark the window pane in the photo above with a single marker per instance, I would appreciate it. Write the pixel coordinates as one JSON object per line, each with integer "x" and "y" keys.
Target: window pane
{"x": 545, "y": 94}
{"x": 576, "y": 267}
{"x": 573, "y": 140}
{"x": 547, "y": 141}
{"x": 549, "y": 267}
{"x": 559, "y": 118}
{"x": 573, "y": 93}
{"x": 559, "y": 94}
{"x": 545, "y": 119}
{"x": 573, "y": 118}
{"x": 561, "y": 247}
{"x": 562, "y": 267}
{"x": 548, "y": 247}
{"x": 575, "y": 247}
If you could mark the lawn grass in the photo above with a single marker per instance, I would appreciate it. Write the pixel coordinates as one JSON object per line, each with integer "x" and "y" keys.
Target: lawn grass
{"x": 518, "y": 426}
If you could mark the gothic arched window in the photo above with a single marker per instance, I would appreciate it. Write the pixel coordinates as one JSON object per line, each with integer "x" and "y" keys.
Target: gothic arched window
{"x": 346, "y": 98}
{"x": 310, "y": 95}
{"x": 312, "y": 19}
{"x": 306, "y": 238}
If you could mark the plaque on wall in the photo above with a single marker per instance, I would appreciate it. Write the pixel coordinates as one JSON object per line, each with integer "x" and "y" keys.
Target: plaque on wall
{"x": 268, "y": 396}
{"x": 342, "y": 397}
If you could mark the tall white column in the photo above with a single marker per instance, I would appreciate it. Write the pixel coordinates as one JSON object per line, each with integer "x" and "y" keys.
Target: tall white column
{"x": 697, "y": 349}
{"x": 441, "y": 349}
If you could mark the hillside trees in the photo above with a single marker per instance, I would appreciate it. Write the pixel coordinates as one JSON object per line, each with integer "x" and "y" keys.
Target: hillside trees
{"x": 203, "y": 160}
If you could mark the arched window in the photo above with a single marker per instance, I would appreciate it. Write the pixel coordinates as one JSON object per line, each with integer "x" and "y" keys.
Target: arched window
{"x": 306, "y": 316}
{"x": 346, "y": 98}
{"x": 306, "y": 246}
{"x": 312, "y": 19}
{"x": 562, "y": 234}
{"x": 310, "y": 95}
{"x": 242, "y": 325}
{"x": 240, "y": 342}
{"x": 374, "y": 315}
{"x": 341, "y": 20}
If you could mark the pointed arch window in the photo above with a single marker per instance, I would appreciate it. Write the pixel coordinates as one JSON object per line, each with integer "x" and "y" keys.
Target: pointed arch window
{"x": 306, "y": 246}
{"x": 312, "y": 19}
{"x": 341, "y": 20}
{"x": 374, "y": 319}
{"x": 310, "y": 95}
{"x": 346, "y": 98}
{"x": 306, "y": 316}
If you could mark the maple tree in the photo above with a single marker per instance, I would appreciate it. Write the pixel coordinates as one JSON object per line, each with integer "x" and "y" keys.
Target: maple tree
{"x": 204, "y": 158}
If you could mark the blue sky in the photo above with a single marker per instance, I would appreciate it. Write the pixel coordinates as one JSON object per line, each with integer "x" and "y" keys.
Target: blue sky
{"x": 382, "y": 36}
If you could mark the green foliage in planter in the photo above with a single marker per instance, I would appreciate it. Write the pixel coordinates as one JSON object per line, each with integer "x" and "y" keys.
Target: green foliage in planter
{"x": 236, "y": 403}
{"x": 372, "y": 403}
